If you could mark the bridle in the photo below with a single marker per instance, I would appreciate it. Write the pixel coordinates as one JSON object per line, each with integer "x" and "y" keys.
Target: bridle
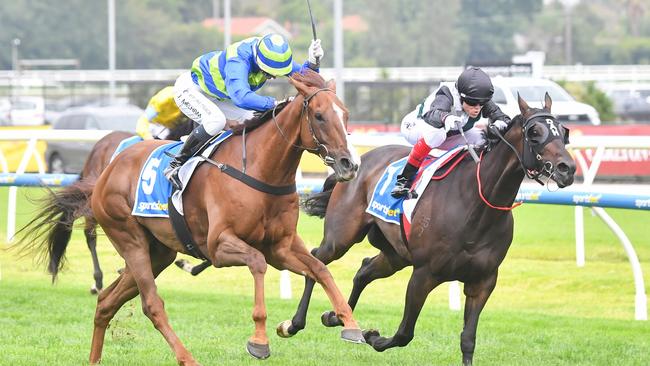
{"x": 531, "y": 160}
{"x": 320, "y": 150}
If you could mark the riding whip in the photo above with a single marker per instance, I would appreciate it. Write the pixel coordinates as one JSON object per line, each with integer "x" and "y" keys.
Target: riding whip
{"x": 313, "y": 25}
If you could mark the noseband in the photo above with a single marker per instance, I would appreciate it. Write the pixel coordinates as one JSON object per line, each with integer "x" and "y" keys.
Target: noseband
{"x": 532, "y": 162}
{"x": 320, "y": 149}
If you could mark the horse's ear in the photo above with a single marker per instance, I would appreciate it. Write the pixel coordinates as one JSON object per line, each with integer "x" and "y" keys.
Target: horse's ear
{"x": 331, "y": 84}
{"x": 547, "y": 102}
{"x": 523, "y": 106}
{"x": 302, "y": 88}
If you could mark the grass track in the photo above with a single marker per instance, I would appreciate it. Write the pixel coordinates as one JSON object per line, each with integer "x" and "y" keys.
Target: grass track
{"x": 544, "y": 311}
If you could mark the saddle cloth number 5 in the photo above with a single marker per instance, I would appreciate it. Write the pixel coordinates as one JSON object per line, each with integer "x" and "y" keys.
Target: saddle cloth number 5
{"x": 149, "y": 175}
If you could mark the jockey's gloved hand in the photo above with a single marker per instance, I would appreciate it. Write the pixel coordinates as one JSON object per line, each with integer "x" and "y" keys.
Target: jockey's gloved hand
{"x": 500, "y": 125}
{"x": 452, "y": 122}
{"x": 315, "y": 53}
{"x": 285, "y": 100}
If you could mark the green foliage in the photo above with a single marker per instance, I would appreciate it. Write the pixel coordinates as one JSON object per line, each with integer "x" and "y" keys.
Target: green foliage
{"x": 589, "y": 93}
{"x": 169, "y": 33}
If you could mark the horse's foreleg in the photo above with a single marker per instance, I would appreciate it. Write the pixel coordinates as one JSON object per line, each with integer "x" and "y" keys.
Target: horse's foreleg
{"x": 476, "y": 295}
{"x": 419, "y": 287}
{"x": 232, "y": 251}
{"x": 300, "y": 261}
{"x": 91, "y": 240}
{"x": 379, "y": 266}
{"x": 340, "y": 235}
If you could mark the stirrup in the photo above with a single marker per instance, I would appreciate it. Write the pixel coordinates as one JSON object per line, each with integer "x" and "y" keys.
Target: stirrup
{"x": 171, "y": 173}
{"x": 404, "y": 192}
{"x": 402, "y": 189}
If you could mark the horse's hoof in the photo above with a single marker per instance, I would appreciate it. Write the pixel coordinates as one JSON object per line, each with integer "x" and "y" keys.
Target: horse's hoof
{"x": 369, "y": 334}
{"x": 353, "y": 335}
{"x": 94, "y": 290}
{"x": 259, "y": 351}
{"x": 283, "y": 329}
{"x": 329, "y": 319}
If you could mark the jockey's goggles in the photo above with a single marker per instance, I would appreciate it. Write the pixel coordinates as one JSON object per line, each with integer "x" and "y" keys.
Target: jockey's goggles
{"x": 474, "y": 102}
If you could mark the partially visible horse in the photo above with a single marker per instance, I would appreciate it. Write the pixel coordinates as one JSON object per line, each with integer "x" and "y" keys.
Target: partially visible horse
{"x": 461, "y": 228}
{"x": 60, "y": 210}
{"x": 232, "y": 223}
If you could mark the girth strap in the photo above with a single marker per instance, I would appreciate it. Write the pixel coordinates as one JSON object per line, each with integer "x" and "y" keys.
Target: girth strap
{"x": 183, "y": 231}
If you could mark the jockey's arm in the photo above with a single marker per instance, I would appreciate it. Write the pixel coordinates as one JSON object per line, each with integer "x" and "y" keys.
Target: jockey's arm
{"x": 239, "y": 90}
{"x": 492, "y": 111}
{"x": 440, "y": 108}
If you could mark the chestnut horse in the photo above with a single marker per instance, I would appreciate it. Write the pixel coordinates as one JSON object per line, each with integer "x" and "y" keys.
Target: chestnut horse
{"x": 60, "y": 210}
{"x": 455, "y": 234}
{"x": 232, "y": 223}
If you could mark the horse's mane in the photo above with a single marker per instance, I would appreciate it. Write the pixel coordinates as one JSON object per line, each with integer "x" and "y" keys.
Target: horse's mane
{"x": 258, "y": 119}
{"x": 492, "y": 140}
{"x": 307, "y": 76}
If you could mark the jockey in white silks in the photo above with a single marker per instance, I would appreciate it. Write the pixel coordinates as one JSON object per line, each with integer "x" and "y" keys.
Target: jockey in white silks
{"x": 435, "y": 122}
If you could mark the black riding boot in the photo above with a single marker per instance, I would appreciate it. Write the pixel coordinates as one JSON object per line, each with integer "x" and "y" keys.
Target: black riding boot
{"x": 404, "y": 182}
{"x": 193, "y": 144}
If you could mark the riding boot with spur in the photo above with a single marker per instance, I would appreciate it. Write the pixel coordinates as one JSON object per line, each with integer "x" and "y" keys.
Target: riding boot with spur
{"x": 193, "y": 144}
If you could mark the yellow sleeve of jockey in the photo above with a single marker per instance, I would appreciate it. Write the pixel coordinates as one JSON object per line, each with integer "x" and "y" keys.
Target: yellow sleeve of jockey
{"x": 142, "y": 127}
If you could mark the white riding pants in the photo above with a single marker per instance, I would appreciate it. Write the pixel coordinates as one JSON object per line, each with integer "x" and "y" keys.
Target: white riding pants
{"x": 204, "y": 109}
{"x": 414, "y": 128}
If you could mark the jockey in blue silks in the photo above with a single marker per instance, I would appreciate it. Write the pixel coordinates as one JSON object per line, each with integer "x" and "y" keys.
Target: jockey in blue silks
{"x": 221, "y": 85}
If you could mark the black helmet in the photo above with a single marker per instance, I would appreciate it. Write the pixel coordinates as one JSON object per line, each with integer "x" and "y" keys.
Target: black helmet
{"x": 474, "y": 85}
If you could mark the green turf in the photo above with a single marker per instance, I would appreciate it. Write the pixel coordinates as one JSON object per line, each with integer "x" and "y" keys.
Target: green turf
{"x": 544, "y": 311}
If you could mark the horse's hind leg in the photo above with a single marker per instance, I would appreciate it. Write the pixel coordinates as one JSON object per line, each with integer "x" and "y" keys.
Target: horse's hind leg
{"x": 131, "y": 241}
{"x": 476, "y": 295}
{"x": 90, "y": 231}
{"x": 342, "y": 231}
{"x": 420, "y": 284}
{"x": 298, "y": 260}
{"x": 123, "y": 289}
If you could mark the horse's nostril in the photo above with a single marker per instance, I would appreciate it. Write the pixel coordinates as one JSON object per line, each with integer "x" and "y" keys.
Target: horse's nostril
{"x": 563, "y": 168}
{"x": 346, "y": 163}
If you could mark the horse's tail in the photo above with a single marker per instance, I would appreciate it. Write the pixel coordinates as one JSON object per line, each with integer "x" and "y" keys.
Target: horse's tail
{"x": 316, "y": 204}
{"x": 48, "y": 234}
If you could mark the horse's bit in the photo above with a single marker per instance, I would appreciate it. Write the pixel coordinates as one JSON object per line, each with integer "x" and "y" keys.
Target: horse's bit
{"x": 320, "y": 149}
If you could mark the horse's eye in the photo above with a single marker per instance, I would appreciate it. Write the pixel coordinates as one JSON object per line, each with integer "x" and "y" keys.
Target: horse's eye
{"x": 319, "y": 116}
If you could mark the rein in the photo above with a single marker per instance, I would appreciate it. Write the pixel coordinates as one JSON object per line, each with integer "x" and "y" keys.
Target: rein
{"x": 327, "y": 159}
{"x": 480, "y": 190}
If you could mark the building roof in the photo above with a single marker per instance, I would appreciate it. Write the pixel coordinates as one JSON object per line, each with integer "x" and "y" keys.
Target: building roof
{"x": 354, "y": 23}
{"x": 248, "y": 26}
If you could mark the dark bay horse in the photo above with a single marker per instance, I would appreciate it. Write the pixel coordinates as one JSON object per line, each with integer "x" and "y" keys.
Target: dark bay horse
{"x": 60, "y": 210}
{"x": 455, "y": 234}
{"x": 232, "y": 223}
